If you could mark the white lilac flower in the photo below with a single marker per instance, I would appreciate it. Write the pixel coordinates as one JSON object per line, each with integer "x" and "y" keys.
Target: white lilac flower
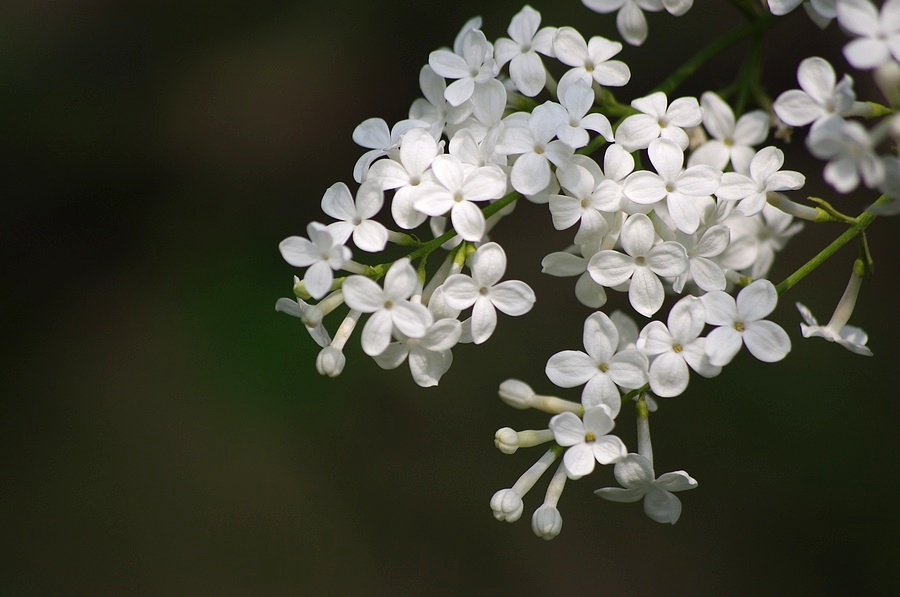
{"x": 732, "y": 141}
{"x": 657, "y": 119}
{"x": 484, "y": 292}
{"x": 765, "y": 176}
{"x": 373, "y": 134}
{"x": 477, "y": 150}
{"x": 675, "y": 347}
{"x": 473, "y": 65}
{"x": 630, "y": 20}
{"x": 321, "y": 254}
{"x": 878, "y": 32}
{"x": 642, "y": 263}
{"x": 821, "y": 94}
{"x": 429, "y": 356}
{"x": 617, "y": 165}
{"x": 455, "y": 192}
{"x": 417, "y": 151}
{"x": 590, "y": 61}
{"x": 532, "y": 140}
{"x": 562, "y": 264}
{"x": 635, "y": 474}
{"x": 581, "y": 205}
{"x": 354, "y": 217}
{"x": 701, "y": 248}
{"x": 577, "y": 97}
{"x": 601, "y": 368}
{"x": 836, "y": 330}
{"x": 850, "y": 153}
{"x": 741, "y": 322}
{"x": 526, "y": 70}
{"x": 390, "y": 307}
{"x": 679, "y": 187}
{"x": 588, "y": 440}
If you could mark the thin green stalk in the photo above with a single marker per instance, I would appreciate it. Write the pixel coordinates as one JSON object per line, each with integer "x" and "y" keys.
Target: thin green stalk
{"x": 862, "y": 222}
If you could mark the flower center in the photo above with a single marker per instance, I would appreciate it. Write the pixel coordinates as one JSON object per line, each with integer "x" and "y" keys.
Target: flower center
{"x": 603, "y": 367}
{"x": 388, "y": 304}
{"x": 457, "y": 197}
{"x": 677, "y": 347}
{"x": 589, "y": 437}
{"x": 739, "y": 326}
{"x": 483, "y": 290}
{"x": 640, "y": 260}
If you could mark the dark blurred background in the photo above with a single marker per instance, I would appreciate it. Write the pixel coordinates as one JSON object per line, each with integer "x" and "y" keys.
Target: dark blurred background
{"x": 164, "y": 431}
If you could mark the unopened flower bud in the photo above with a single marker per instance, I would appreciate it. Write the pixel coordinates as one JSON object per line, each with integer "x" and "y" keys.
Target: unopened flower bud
{"x": 517, "y": 394}
{"x": 330, "y": 362}
{"x": 546, "y": 522}
{"x": 506, "y": 440}
{"x": 507, "y": 505}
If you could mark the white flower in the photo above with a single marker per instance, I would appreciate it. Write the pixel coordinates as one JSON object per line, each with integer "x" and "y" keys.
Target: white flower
{"x": 879, "y": 33}
{"x": 322, "y": 255}
{"x": 390, "y": 307}
{"x": 525, "y": 67}
{"x": 821, "y": 95}
{"x": 658, "y": 119}
{"x": 588, "y": 440}
{"x": 643, "y": 263}
{"x": 456, "y": 191}
{"x": 741, "y": 322}
{"x": 705, "y": 272}
{"x": 601, "y": 368}
{"x": 484, "y": 294}
{"x": 635, "y": 474}
{"x": 590, "y": 60}
{"x": 820, "y": 12}
{"x": 630, "y": 20}
{"x": 417, "y": 151}
{"x": 472, "y": 66}
{"x": 731, "y": 140}
{"x": 675, "y": 347}
{"x": 582, "y": 205}
{"x": 679, "y": 187}
{"x": 429, "y": 356}
{"x": 532, "y": 141}
{"x": 849, "y": 150}
{"x": 434, "y": 108}
{"x": 374, "y": 135}
{"x": 850, "y": 337}
{"x": 577, "y": 97}
{"x": 765, "y": 176}
{"x": 355, "y": 216}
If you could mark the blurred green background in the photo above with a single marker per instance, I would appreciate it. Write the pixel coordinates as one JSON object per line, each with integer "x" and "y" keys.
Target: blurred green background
{"x": 164, "y": 431}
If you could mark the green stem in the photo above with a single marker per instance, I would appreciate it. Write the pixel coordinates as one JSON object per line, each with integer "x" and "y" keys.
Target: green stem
{"x": 862, "y": 222}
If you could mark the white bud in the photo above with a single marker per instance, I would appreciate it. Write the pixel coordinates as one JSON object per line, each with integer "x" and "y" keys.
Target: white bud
{"x": 506, "y": 440}
{"x": 330, "y": 362}
{"x": 546, "y": 522}
{"x": 507, "y": 505}
{"x": 517, "y": 394}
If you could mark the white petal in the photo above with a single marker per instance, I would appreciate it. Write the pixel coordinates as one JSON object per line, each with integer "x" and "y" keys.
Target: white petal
{"x": 567, "y": 429}
{"x": 610, "y": 268}
{"x": 484, "y": 319}
{"x": 766, "y": 341}
{"x": 376, "y": 334}
{"x": 756, "y": 301}
{"x": 512, "y": 297}
{"x": 570, "y": 368}
{"x": 467, "y": 220}
{"x": 634, "y": 472}
{"x": 645, "y": 293}
{"x": 412, "y": 319}
{"x": 370, "y": 236}
{"x": 722, "y": 344}
{"x": 579, "y": 461}
{"x": 662, "y": 506}
{"x": 668, "y": 375}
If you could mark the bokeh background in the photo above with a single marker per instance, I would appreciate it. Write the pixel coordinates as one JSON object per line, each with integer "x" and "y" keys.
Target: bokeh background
{"x": 164, "y": 431}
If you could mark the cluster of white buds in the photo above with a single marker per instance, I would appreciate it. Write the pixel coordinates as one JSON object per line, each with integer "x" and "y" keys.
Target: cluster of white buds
{"x": 672, "y": 199}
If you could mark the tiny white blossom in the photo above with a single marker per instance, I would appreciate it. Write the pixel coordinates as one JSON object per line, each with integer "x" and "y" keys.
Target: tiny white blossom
{"x": 821, "y": 94}
{"x": 765, "y": 175}
{"x": 525, "y": 66}
{"x": 601, "y": 368}
{"x": 630, "y": 20}
{"x": 590, "y": 61}
{"x": 484, "y": 292}
{"x": 390, "y": 307}
{"x": 732, "y": 141}
{"x": 657, "y": 119}
{"x": 588, "y": 440}
{"x": 642, "y": 263}
{"x": 474, "y": 65}
{"x": 532, "y": 140}
{"x": 373, "y": 134}
{"x": 850, "y": 153}
{"x": 850, "y": 337}
{"x": 577, "y": 97}
{"x": 879, "y": 32}
{"x": 635, "y": 474}
{"x": 355, "y": 216}
{"x": 321, "y": 253}
{"x": 741, "y": 322}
